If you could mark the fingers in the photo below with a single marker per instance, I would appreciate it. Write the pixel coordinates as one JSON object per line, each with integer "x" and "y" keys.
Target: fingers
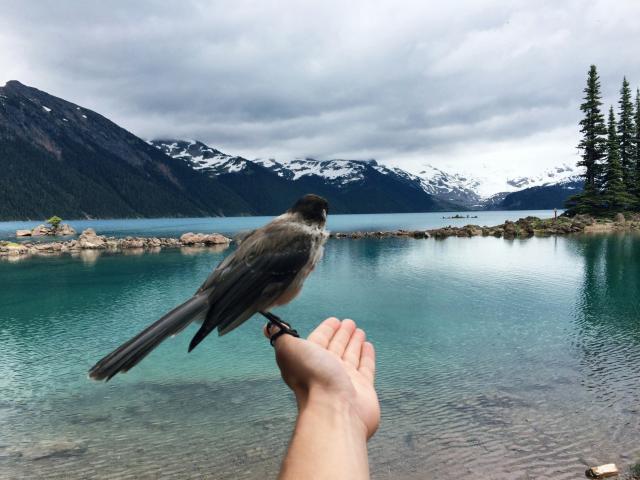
{"x": 340, "y": 340}
{"x": 354, "y": 348}
{"x": 368, "y": 361}
{"x": 324, "y": 332}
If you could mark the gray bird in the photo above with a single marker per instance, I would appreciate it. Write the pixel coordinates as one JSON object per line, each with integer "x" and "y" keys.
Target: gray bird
{"x": 266, "y": 270}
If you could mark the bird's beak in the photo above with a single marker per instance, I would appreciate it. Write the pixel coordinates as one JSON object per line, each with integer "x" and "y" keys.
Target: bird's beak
{"x": 324, "y": 213}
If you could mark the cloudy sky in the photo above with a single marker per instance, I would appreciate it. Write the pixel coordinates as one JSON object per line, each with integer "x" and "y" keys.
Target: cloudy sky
{"x": 463, "y": 85}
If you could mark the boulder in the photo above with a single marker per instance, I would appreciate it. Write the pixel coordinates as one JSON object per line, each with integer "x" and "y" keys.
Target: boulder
{"x": 132, "y": 243}
{"x": 205, "y": 239}
{"x": 90, "y": 240}
{"x": 619, "y": 218}
{"x": 12, "y": 249}
{"x": 509, "y": 230}
{"x": 23, "y": 233}
{"x": 584, "y": 219}
{"x": 65, "y": 229}
{"x": 40, "y": 231}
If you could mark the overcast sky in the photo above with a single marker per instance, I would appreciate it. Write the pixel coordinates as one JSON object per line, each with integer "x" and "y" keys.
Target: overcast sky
{"x": 463, "y": 85}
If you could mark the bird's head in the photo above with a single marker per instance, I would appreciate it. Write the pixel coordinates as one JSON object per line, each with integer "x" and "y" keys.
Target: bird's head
{"x": 312, "y": 208}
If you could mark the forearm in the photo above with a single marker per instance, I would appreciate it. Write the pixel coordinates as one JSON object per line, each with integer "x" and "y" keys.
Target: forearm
{"x": 329, "y": 441}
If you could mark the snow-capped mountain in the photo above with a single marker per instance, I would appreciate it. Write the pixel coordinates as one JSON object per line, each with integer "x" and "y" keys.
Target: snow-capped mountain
{"x": 454, "y": 190}
{"x": 350, "y": 185}
{"x": 553, "y": 176}
{"x": 200, "y": 156}
{"x": 340, "y": 173}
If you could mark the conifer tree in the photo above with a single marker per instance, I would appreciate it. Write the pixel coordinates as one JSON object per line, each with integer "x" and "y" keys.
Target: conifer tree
{"x": 614, "y": 191}
{"x": 626, "y": 136}
{"x": 637, "y": 147}
{"x": 592, "y": 144}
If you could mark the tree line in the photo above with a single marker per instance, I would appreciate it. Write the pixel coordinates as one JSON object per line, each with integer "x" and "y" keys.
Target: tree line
{"x": 610, "y": 152}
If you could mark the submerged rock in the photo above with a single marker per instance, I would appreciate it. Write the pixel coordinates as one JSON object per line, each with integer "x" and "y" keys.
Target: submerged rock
{"x": 50, "y": 449}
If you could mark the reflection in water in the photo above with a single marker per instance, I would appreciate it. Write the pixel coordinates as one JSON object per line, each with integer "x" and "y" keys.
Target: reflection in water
{"x": 510, "y": 359}
{"x": 608, "y": 316}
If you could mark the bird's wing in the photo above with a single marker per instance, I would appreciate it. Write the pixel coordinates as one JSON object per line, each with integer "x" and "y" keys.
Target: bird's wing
{"x": 254, "y": 277}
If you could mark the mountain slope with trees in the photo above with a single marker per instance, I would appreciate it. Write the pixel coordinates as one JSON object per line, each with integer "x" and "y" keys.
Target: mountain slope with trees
{"x": 57, "y": 157}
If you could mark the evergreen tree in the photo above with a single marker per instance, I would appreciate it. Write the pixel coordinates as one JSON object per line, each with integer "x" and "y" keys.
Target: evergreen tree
{"x": 592, "y": 145}
{"x": 637, "y": 148}
{"x": 614, "y": 192}
{"x": 626, "y": 136}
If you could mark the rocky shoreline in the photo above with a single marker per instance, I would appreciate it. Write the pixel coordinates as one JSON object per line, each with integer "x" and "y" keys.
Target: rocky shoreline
{"x": 522, "y": 228}
{"x": 527, "y": 227}
{"x": 89, "y": 240}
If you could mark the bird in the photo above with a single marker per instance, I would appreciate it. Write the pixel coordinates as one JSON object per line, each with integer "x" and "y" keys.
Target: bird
{"x": 267, "y": 270}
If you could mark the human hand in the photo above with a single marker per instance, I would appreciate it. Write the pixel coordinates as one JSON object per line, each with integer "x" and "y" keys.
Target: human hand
{"x": 334, "y": 367}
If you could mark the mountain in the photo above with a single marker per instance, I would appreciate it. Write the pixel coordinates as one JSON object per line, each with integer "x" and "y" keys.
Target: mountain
{"x": 548, "y": 190}
{"x": 543, "y": 197}
{"x": 367, "y": 186}
{"x": 351, "y": 186}
{"x": 59, "y": 158}
{"x": 455, "y": 188}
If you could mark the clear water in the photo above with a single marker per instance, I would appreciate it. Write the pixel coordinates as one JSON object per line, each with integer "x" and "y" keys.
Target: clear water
{"x": 172, "y": 227}
{"x": 497, "y": 359}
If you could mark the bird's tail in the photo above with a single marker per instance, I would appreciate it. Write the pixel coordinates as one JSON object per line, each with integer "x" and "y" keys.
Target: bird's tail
{"x": 131, "y": 352}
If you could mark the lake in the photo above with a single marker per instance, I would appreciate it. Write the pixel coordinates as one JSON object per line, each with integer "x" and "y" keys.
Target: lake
{"x": 174, "y": 227}
{"x": 497, "y": 359}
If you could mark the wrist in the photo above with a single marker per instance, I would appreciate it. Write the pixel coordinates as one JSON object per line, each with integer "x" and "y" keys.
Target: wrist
{"x": 334, "y": 408}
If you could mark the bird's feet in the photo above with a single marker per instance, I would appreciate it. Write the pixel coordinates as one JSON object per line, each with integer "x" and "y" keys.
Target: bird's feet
{"x": 284, "y": 327}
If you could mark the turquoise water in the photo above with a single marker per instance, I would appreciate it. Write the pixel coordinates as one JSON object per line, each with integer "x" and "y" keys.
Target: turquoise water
{"x": 497, "y": 359}
{"x": 173, "y": 227}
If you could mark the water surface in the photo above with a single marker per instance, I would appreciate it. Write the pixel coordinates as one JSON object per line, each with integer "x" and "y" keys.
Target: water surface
{"x": 497, "y": 359}
{"x": 174, "y": 227}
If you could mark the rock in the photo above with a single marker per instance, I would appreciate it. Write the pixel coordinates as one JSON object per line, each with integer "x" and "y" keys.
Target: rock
{"x": 619, "y": 218}
{"x": 23, "y": 233}
{"x": 602, "y": 471}
{"x": 65, "y": 230}
{"x": 40, "y": 231}
{"x": 53, "y": 449}
{"x": 9, "y": 249}
{"x": 205, "y": 239}
{"x": 90, "y": 240}
{"x": 132, "y": 243}
{"x": 509, "y": 230}
{"x": 584, "y": 219}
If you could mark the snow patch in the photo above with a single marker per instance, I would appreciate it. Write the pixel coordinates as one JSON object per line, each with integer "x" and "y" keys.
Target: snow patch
{"x": 46, "y": 109}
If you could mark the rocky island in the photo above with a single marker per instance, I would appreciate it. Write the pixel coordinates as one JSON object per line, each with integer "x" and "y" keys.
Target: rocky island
{"x": 90, "y": 240}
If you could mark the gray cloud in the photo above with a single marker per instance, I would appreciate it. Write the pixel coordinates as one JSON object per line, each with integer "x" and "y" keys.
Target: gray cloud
{"x": 400, "y": 81}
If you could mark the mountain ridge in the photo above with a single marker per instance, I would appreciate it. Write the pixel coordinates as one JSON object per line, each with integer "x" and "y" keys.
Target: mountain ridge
{"x": 60, "y": 158}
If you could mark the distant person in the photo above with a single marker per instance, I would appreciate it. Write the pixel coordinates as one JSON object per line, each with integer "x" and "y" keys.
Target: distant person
{"x": 331, "y": 374}
{"x": 555, "y": 213}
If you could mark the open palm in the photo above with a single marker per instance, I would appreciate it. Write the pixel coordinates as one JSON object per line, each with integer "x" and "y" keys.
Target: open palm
{"x": 336, "y": 360}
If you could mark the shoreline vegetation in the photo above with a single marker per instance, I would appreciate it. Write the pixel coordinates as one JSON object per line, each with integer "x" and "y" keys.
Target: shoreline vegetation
{"x": 89, "y": 243}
